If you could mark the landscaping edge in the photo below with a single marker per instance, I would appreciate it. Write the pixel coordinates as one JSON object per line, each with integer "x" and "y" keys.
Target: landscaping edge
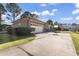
{"x": 15, "y": 43}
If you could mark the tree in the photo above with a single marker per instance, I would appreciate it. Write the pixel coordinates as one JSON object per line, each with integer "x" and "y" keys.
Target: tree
{"x": 25, "y": 14}
{"x": 50, "y": 22}
{"x": 14, "y": 10}
{"x": 34, "y": 15}
{"x": 2, "y": 11}
{"x": 28, "y": 14}
{"x": 56, "y": 23}
{"x": 74, "y": 24}
{"x": 57, "y": 27}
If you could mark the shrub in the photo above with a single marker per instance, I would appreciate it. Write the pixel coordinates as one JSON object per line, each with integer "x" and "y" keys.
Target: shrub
{"x": 9, "y": 30}
{"x": 23, "y": 31}
{"x": 66, "y": 29}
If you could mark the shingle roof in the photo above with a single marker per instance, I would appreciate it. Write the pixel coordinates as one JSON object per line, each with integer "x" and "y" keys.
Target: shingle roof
{"x": 29, "y": 17}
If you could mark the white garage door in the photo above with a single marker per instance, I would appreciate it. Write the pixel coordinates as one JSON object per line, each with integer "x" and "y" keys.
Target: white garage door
{"x": 38, "y": 29}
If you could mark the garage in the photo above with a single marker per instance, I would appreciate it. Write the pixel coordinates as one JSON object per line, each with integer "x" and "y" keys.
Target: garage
{"x": 38, "y": 29}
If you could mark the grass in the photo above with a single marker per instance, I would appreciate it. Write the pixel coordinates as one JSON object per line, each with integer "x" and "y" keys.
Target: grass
{"x": 14, "y": 43}
{"x": 75, "y": 38}
{"x": 5, "y": 38}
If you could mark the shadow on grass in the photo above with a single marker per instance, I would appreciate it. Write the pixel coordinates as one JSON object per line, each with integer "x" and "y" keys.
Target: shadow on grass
{"x": 4, "y": 37}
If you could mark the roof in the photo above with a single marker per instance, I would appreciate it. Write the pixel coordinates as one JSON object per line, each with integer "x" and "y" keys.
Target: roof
{"x": 29, "y": 17}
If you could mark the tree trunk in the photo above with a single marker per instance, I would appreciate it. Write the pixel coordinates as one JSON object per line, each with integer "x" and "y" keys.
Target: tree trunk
{"x": 13, "y": 31}
{"x": 0, "y": 21}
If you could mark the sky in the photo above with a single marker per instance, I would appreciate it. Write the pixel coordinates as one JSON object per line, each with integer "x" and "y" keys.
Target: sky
{"x": 60, "y": 12}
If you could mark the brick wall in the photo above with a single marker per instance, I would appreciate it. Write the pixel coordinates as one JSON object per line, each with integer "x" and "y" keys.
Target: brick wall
{"x": 23, "y": 22}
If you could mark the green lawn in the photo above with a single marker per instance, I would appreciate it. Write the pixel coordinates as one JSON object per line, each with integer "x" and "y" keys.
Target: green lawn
{"x": 7, "y": 40}
{"x": 75, "y": 38}
{"x": 14, "y": 43}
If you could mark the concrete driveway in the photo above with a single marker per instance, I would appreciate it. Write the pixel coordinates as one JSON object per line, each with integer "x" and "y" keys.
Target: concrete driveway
{"x": 46, "y": 44}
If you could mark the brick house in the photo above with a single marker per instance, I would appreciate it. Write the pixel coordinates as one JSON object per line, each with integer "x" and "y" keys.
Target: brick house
{"x": 29, "y": 21}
